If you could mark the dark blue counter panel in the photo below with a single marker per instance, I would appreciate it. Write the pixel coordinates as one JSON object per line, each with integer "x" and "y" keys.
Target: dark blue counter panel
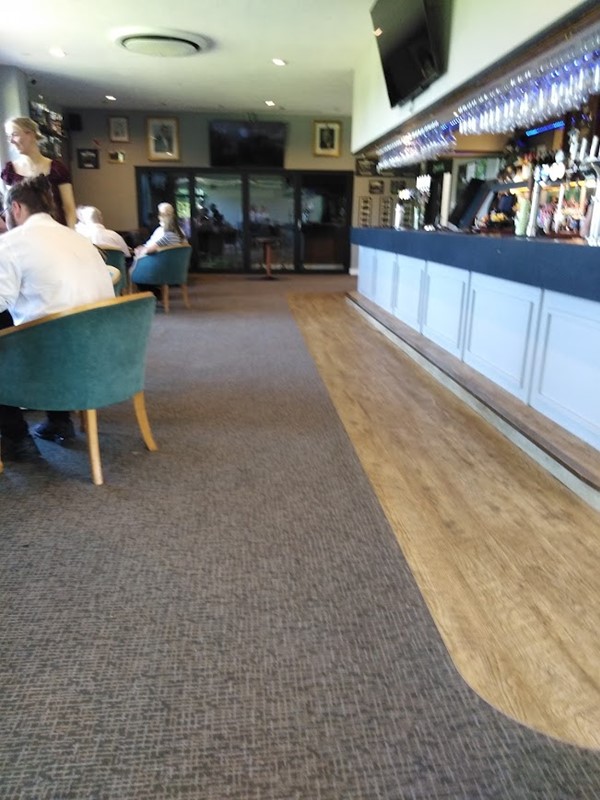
{"x": 558, "y": 265}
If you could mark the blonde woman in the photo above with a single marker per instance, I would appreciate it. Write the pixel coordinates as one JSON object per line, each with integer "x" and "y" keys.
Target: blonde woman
{"x": 168, "y": 232}
{"x": 24, "y": 134}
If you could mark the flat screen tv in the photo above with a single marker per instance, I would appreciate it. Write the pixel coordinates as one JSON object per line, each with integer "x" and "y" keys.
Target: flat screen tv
{"x": 247, "y": 144}
{"x": 409, "y": 53}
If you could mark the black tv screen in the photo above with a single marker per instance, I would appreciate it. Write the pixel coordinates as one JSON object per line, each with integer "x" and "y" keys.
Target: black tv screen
{"x": 409, "y": 54}
{"x": 247, "y": 144}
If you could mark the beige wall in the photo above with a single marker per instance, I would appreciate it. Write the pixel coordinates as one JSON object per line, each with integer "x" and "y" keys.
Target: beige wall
{"x": 112, "y": 187}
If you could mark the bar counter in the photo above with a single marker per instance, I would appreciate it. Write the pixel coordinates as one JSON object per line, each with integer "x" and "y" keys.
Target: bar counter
{"x": 523, "y": 312}
{"x": 569, "y": 266}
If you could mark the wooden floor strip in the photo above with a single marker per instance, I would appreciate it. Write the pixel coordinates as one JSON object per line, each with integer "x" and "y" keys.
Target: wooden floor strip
{"x": 575, "y": 455}
{"x": 506, "y": 557}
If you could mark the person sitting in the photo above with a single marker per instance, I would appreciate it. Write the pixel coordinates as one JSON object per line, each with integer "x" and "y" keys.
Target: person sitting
{"x": 24, "y": 135}
{"x": 167, "y": 234}
{"x": 94, "y": 229}
{"x": 217, "y": 218}
{"x": 44, "y": 268}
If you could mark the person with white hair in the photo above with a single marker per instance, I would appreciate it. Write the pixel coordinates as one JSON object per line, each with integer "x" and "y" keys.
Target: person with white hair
{"x": 94, "y": 229}
{"x": 168, "y": 232}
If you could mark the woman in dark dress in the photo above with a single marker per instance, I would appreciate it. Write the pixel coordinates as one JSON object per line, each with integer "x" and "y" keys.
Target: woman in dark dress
{"x": 23, "y": 133}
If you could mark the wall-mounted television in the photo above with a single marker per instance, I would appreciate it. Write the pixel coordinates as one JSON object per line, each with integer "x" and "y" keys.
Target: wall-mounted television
{"x": 235, "y": 143}
{"x": 408, "y": 44}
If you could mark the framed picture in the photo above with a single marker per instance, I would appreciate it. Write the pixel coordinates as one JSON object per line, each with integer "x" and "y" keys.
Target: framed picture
{"x": 375, "y": 187}
{"x": 87, "y": 158}
{"x": 163, "y": 139}
{"x": 365, "y": 167}
{"x": 327, "y": 137}
{"x": 116, "y": 157}
{"x": 118, "y": 129}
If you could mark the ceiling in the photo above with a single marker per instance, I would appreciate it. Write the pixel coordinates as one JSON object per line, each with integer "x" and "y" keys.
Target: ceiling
{"x": 321, "y": 40}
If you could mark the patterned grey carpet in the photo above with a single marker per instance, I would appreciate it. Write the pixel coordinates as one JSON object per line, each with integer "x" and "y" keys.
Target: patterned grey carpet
{"x": 231, "y": 617}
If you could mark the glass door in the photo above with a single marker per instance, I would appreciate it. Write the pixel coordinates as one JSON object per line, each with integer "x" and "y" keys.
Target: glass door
{"x": 162, "y": 186}
{"x": 217, "y": 222}
{"x": 270, "y": 222}
{"x": 239, "y": 221}
{"x": 326, "y": 200}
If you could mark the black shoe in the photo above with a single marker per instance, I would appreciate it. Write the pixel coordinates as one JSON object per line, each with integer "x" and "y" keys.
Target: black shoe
{"x": 59, "y": 432}
{"x": 19, "y": 449}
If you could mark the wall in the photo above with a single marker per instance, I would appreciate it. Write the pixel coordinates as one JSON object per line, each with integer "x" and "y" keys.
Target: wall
{"x": 112, "y": 187}
{"x": 13, "y": 101}
{"x": 481, "y": 33}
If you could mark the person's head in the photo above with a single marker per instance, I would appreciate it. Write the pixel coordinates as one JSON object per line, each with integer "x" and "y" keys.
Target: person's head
{"x": 165, "y": 210}
{"x": 31, "y": 196}
{"x": 94, "y": 216}
{"x": 167, "y": 218}
{"x": 24, "y": 134}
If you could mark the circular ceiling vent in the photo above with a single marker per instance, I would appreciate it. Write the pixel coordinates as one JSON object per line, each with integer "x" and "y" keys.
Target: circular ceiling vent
{"x": 164, "y": 44}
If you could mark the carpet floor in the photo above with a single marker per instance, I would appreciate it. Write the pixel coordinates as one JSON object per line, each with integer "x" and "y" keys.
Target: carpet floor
{"x": 231, "y": 618}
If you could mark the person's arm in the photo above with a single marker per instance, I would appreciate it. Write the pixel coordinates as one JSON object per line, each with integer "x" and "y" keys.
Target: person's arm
{"x": 10, "y": 282}
{"x": 150, "y": 248}
{"x": 68, "y": 203}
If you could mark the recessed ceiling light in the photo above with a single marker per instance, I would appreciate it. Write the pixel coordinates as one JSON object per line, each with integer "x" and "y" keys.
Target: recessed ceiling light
{"x": 57, "y": 52}
{"x": 162, "y": 43}
{"x": 269, "y": 102}
{"x": 110, "y": 97}
{"x": 279, "y": 62}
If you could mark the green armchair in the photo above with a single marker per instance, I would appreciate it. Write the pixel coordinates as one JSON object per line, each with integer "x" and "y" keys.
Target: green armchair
{"x": 166, "y": 267}
{"x": 85, "y": 358}
{"x": 116, "y": 258}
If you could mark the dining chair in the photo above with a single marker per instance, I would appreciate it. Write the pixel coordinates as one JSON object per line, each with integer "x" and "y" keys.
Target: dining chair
{"x": 166, "y": 267}
{"x": 82, "y": 359}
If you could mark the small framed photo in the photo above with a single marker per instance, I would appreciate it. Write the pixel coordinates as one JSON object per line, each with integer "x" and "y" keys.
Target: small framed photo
{"x": 87, "y": 158}
{"x": 116, "y": 157}
{"x": 118, "y": 129}
{"x": 327, "y": 138}
{"x": 376, "y": 187}
{"x": 365, "y": 167}
{"x": 163, "y": 139}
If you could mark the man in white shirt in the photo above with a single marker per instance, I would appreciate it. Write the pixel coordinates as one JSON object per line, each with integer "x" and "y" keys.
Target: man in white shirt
{"x": 94, "y": 229}
{"x": 45, "y": 268}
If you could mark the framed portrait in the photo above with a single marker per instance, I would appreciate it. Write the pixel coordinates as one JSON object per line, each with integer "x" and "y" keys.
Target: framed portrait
{"x": 327, "y": 138}
{"x": 116, "y": 157}
{"x": 87, "y": 158}
{"x": 376, "y": 187}
{"x": 118, "y": 129}
{"x": 163, "y": 139}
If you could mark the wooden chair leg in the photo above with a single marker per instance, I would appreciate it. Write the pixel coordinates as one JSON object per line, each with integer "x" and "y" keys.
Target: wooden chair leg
{"x": 165, "y": 297}
{"x": 185, "y": 295}
{"x": 139, "y": 405}
{"x": 91, "y": 428}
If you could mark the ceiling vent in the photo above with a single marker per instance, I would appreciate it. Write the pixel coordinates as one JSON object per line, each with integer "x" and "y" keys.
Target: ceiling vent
{"x": 164, "y": 44}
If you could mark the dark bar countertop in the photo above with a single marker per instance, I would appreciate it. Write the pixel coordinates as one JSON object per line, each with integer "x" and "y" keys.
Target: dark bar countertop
{"x": 560, "y": 265}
